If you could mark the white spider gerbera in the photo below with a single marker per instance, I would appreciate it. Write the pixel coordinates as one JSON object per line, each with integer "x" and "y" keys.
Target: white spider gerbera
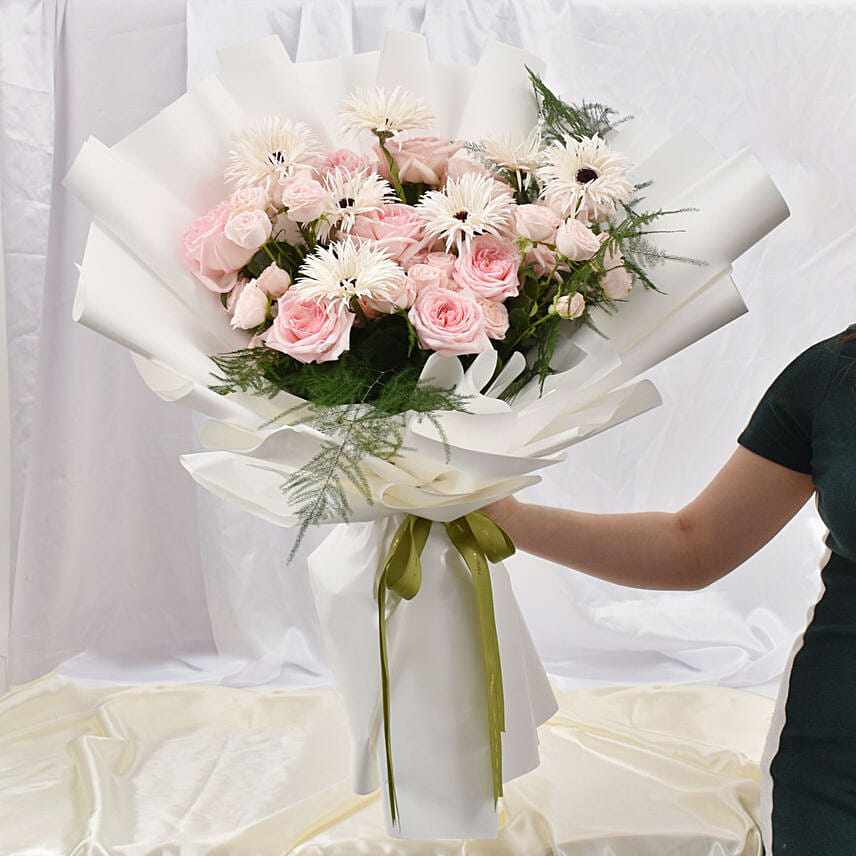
{"x": 385, "y": 115}
{"x": 467, "y": 206}
{"x": 348, "y": 194}
{"x": 584, "y": 177}
{"x": 266, "y": 152}
{"x": 348, "y": 269}
{"x": 513, "y": 151}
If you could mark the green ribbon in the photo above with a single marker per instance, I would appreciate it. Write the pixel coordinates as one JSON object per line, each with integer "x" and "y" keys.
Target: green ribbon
{"x": 478, "y": 539}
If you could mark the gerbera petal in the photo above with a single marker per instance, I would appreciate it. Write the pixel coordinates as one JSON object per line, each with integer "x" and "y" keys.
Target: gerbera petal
{"x": 349, "y": 269}
{"x": 267, "y": 151}
{"x": 585, "y": 175}
{"x": 467, "y": 206}
{"x": 375, "y": 110}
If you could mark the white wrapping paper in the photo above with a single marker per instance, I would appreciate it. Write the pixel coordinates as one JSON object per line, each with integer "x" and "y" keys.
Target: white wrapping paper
{"x": 172, "y": 167}
{"x": 438, "y": 702}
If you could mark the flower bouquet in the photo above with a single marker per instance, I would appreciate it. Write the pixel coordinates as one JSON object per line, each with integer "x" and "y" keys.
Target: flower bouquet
{"x": 391, "y": 328}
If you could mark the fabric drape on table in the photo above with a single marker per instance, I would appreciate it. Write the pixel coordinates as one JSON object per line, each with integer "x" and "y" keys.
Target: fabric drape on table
{"x": 131, "y": 770}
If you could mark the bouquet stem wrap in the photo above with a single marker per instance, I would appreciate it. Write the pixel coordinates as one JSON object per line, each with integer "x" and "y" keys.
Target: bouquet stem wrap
{"x": 455, "y": 683}
{"x": 478, "y": 539}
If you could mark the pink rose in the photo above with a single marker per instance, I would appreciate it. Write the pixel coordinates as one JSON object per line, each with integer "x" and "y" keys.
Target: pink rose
{"x": 489, "y": 267}
{"x": 273, "y": 281}
{"x": 347, "y": 160}
{"x": 464, "y": 161}
{"x": 544, "y": 260}
{"x": 588, "y": 212}
{"x": 396, "y": 228}
{"x": 251, "y": 307}
{"x": 536, "y": 222}
{"x": 449, "y": 322}
{"x": 371, "y": 313}
{"x": 570, "y": 306}
{"x": 248, "y": 198}
{"x": 442, "y": 261}
{"x": 427, "y": 276}
{"x": 210, "y": 255}
{"x": 495, "y": 318}
{"x": 310, "y": 329}
{"x": 235, "y": 293}
{"x": 286, "y": 230}
{"x": 303, "y": 198}
{"x": 419, "y": 159}
{"x": 229, "y": 281}
{"x": 558, "y": 203}
{"x": 616, "y": 282}
{"x": 249, "y": 228}
{"x": 401, "y": 298}
{"x": 575, "y": 241}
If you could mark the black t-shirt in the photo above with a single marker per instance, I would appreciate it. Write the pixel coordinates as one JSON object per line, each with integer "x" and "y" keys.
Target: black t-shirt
{"x": 806, "y": 421}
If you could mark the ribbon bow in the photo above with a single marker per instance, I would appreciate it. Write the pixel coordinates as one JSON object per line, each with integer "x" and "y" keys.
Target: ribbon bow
{"x": 478, "y": 539}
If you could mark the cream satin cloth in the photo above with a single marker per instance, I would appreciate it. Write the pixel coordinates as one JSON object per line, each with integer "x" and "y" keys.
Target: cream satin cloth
{"x": 205, "y": 770}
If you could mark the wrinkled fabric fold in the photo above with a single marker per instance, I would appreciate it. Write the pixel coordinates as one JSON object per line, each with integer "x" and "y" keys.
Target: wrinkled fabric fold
{"x": 158, "y": 768}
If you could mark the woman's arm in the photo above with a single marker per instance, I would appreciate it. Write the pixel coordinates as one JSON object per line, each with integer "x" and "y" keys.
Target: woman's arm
{"x": 748, "y": 501}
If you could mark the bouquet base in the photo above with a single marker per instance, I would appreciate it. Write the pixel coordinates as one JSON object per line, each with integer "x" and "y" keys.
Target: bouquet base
{"x": 438, "y": 701}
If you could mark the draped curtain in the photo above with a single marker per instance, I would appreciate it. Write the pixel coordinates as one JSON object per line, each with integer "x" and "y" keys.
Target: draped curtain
{"x": 118, "y": 568}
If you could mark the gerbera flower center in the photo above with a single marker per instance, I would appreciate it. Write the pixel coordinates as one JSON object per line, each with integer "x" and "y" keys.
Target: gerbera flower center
{"x": 349, "y": 283}
{"x": 276, "y": 157}
{"x": 346, "y": 202}
{"x": 461, "y": 215}
{"x": 586, "y": 175}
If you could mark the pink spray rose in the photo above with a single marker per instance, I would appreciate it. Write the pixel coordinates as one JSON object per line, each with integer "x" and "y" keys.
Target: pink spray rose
{"x": 463, "y": 162}
{"x": 495, "y": 318}
{"x": 248, "y": 198}
{"x": 536, "y": 222}
{"x": 251, "y": 307}
{"x": 544, "y": 260}
{"x": 396, "y": 228}
{"x": 427, "y": 276}
{"x": 303, "y": 196}
{"x": 588, "y": 212}
{"x": 310, "y": 329}
{"x": 570, "y": 306}
{"x": 346, "y": 160}
{"x": 286, "y": 230}
{"x": 273, "y": 281}
{"x": 558, "y": 203}
{"x": 235, "y": 293}
{"x": 449, "y": 322}
{"x": 575, "y": 241}
{"x": 418, "y": 159}
{"x": 616, "y": 282}
{"x": 443, "y": 261}
{"x": 401, "y": 298}
{"x": 211, "y": 257}
{"x": 489, "y": 267}
{"x": 249, "y": 229}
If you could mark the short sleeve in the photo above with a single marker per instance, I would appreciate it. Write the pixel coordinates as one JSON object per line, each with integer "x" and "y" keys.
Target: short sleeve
{"x": 780, "y": 429}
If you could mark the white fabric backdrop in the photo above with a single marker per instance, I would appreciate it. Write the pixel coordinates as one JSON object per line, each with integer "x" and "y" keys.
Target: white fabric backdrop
{"x": 117, "y": 556}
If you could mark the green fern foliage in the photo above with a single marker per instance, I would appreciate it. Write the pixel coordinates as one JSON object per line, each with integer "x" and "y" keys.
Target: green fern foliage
{"x": 559, "y": 119}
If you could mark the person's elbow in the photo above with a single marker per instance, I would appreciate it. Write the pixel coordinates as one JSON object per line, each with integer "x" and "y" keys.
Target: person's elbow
{"x": 702, "y": 579}
{"x": 700, "y": 567}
